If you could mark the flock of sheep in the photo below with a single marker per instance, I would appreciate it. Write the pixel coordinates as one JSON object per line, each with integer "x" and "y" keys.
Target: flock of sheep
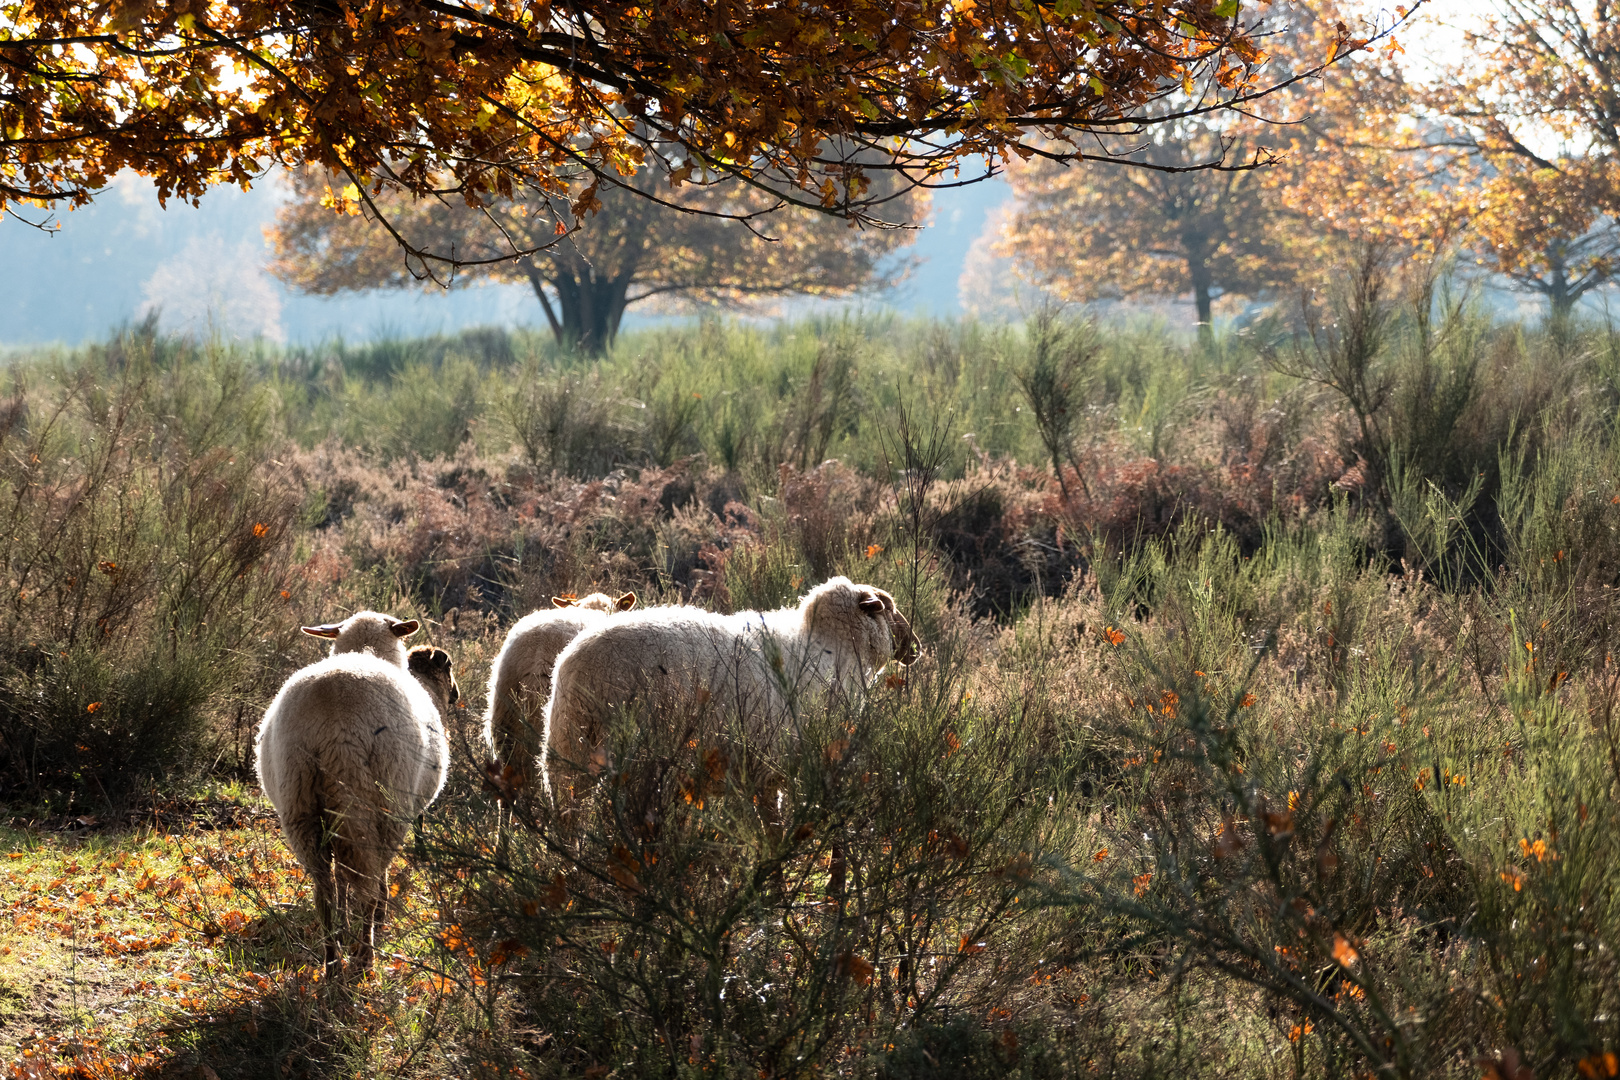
{"x": 354, "y": 748}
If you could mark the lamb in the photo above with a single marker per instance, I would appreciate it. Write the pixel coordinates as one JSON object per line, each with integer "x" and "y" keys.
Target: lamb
{"x": 753, "y": 665}
{"x": 521, "y": 681}
{"x": 351, "y": 750}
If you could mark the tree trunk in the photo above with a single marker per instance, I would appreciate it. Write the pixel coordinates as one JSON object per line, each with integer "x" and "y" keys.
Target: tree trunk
{"x": 1199, "y": 246}
{"x": 588, "y": 310}
{"x": 1560, "y": 297}
{"x": 590, "y": 302}
{"x": 1201, "y": 298}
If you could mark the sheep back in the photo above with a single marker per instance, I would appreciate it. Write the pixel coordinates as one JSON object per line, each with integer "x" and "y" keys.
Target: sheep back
{"x": 521, "y": 683}
{"x": 356, "y": 742}
{"x": 750, "y": 665}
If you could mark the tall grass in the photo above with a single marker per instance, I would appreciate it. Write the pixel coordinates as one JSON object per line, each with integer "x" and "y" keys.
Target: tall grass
{"x": 1267, "y": 723}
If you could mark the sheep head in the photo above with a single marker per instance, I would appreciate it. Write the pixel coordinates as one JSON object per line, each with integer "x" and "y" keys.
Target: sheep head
{"x": 368, "y": 631}
{"x": 880, "y": 607}
{"x": 863, "y": 617}
{"x": 596, "y": 602}
{"x": 433, "y": 669}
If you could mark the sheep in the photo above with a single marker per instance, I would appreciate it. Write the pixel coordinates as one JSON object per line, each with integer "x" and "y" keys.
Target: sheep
{"x": 751, "y": 664}
{"x": 520, "y": 682}
{"x": 351, "y": 750}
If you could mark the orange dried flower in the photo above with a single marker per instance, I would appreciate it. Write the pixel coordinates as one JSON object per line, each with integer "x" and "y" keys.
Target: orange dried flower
{"x": 853, "y": 966}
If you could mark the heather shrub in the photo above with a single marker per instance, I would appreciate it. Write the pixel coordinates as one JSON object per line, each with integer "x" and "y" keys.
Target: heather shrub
{"x": 708, "y": 924}
{"x": 149, "y": 568}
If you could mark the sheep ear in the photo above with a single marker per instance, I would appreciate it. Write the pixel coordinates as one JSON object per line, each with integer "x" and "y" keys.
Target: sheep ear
{"x": 326, "y": 630}
{"x": 561, "y": 601}
{"x": 625, "y": 602}
{"x": 872, "y": 604}
{"x": 406, "y": 628}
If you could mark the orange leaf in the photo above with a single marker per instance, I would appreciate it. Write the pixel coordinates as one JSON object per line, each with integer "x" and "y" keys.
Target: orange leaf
{"x": 853, "y": 966}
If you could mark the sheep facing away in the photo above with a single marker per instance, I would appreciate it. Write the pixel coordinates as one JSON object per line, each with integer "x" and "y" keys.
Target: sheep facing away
{"x": 752, "y": 665}
{"x": 520, "y": 683}
{"x": 351, "y": 751}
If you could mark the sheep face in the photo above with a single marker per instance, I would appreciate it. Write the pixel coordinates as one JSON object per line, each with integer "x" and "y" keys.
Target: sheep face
{"x": 863, "y": 616}
{"x": 596, "y": 602}
{"x": 433, "y": 670}
{"x": 368, "y": 631}
{"x": 879, "y": 606}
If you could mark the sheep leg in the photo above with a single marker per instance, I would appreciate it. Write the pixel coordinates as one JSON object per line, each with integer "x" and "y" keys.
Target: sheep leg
{"x": 343, "y": 919}
{"x": 324, "y": 889}
{"x": 376, "y": 902}
{"x": 572, "y": 801}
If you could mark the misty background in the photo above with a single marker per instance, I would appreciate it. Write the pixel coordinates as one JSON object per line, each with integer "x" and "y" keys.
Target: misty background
{"x": 203, "y": 269}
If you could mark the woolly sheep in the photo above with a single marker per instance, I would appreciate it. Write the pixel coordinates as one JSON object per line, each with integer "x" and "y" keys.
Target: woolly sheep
{"x": 751, "y": 664}
{"x": 521, "y": 680}
{"x": 351, "y": 750}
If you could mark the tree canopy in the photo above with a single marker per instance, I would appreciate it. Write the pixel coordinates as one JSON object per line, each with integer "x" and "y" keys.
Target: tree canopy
{"x": 1537, "y": 109}
{"x": 635, "y": 250}
{"x": 1510, "y": 156}
{"x": 503, "y": 97}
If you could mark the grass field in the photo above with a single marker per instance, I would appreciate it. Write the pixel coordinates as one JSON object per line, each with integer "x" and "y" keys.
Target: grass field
{"x": 1266, "y": 723}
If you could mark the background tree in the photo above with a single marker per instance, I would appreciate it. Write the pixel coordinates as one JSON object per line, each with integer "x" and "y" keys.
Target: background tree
{"x": 506, "y": 97}
{"x": 1546, "y": 231}
{"x": 1168, "y": 228}
{"x": 634, "y": 250}
{"x": 1088, "y": 234}
{"x": 1534, "y": 109}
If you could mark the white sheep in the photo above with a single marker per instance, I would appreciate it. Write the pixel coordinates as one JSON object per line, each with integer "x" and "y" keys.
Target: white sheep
{"x": 751, "y": 665}
{"x": 351, "y": 751}
{"x": 520, "y": 683}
